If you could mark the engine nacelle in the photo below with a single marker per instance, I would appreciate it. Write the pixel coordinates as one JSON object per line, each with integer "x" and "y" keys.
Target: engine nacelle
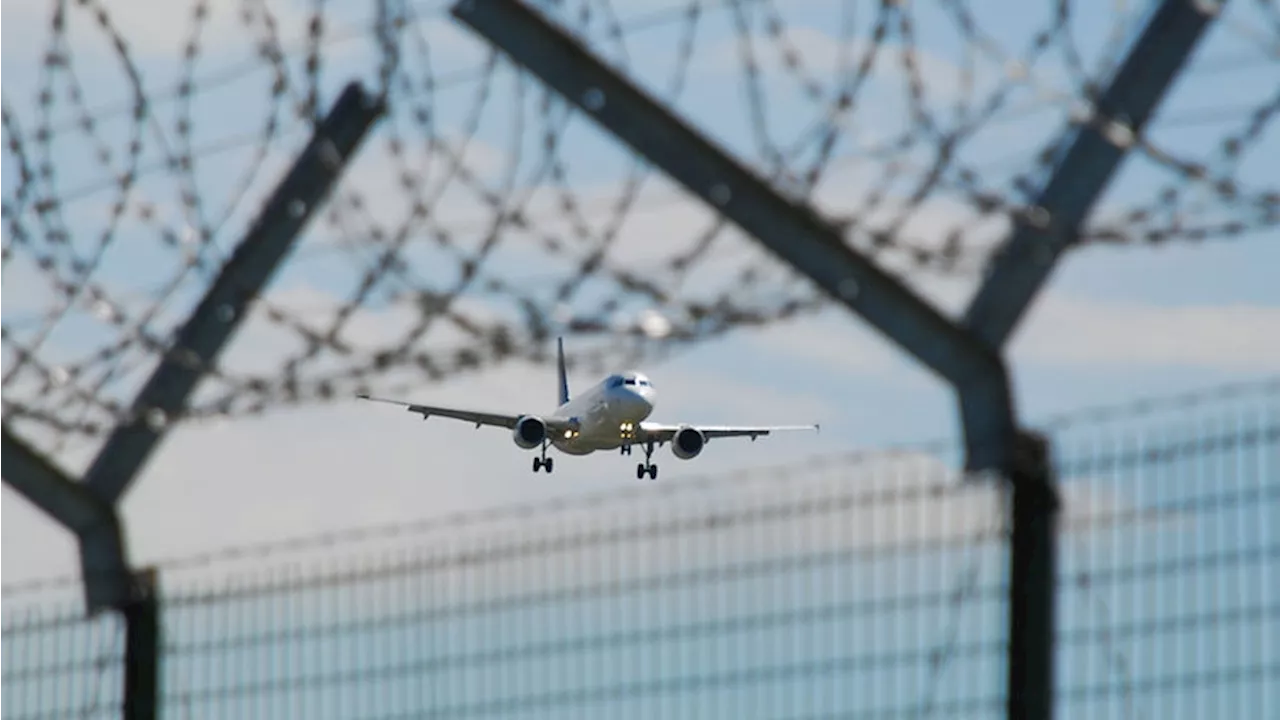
{"x": 687, "y": 443}
{"x": 529, "y": 432}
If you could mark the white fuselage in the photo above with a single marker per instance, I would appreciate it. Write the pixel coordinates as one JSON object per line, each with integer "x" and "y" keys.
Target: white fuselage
{"x": 605, "y": 414}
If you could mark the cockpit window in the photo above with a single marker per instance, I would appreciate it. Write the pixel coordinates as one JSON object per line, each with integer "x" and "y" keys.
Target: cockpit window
{"x": 631, "y": 381}
{"x": 614, "y": 381}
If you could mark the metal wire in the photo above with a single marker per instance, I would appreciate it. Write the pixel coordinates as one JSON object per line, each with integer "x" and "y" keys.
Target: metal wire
{"x": 485, "y": 217}
{"x": 714, "y": 602}
{"x": 64, "y": 669}
{"x": 1167, "y": 611}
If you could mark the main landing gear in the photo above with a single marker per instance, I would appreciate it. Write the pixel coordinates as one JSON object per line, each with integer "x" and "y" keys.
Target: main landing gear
{"x": 544, "y": 461}
{"x": 646, "y": 467}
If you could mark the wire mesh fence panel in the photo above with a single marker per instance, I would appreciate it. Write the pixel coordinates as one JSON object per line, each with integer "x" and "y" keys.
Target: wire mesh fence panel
{"x": 862, "y": 592}
{"x": 870, "y": 585}
{"x": 1169, "y": 604}
{"x": 62, "y": 665}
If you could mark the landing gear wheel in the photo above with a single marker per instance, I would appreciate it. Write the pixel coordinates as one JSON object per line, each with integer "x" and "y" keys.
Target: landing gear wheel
{"x": 647, "y": 466}
{"x": 543, "y": 461}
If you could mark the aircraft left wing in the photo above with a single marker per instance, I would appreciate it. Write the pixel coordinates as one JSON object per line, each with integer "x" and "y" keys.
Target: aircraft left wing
{"x": 664, "y": 433}
{"x": 471, "y": 416}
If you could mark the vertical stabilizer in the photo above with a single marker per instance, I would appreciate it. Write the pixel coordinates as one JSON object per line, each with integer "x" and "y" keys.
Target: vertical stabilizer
{"x": 564, "y": 379}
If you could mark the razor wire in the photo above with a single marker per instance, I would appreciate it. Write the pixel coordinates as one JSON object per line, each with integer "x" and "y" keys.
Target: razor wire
{"x": 484, "y": 216}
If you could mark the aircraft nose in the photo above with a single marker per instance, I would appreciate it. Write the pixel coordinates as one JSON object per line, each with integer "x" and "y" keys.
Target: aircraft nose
{"x": 639, "y": 400}
{"x": 646, "y": 397}
{"x": 636, "y": 401}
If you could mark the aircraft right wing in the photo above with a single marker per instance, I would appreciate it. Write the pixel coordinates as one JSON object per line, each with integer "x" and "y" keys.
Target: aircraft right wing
{"x": 664, "y": 433}
{"x": 471, "y": 416}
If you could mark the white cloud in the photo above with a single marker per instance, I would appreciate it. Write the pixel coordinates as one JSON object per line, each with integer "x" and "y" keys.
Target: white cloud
{"x": 1069, "y": 330}
{"x": 834, "y": 339}
{"x": 1064, "y": 330}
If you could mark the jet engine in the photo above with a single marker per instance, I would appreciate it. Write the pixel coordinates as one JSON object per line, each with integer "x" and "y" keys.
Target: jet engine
{"x": 687, "y": 443}
{"x": 529, "y": 432}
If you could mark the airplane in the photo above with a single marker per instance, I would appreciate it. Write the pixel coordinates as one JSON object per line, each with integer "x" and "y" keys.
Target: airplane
{"x": 611, "y": 415}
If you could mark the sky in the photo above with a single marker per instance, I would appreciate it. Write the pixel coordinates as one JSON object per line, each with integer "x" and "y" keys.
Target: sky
{"x": 1114, "y": 323}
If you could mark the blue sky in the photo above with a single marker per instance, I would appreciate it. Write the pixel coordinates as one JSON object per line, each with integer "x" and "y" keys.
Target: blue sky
{"x": 1115, "y": 323}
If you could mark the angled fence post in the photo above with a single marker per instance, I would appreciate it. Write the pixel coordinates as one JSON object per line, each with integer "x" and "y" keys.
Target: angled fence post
{"x": 89, "y": 508}
{"x": 969, "y": 355}
{"x": 1019, "y": 271}
{"x": 792, "y": 231}
{"x": 226, "y": 303}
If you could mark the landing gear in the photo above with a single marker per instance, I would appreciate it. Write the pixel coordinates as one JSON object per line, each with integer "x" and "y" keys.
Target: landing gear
{"x": 646, "y": 467}
{"x": 543, "y": 462}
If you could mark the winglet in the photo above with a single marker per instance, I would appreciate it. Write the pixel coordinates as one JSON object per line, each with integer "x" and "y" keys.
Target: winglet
{"x": 564, "y": 379}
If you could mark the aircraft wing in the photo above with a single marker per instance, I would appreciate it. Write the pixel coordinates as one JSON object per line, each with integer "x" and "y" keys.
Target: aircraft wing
{"x": 471, "y": 416}
{"x": 664, "y": 433}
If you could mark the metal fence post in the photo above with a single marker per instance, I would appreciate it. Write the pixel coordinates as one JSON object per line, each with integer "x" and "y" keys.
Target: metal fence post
{"x": 226, "y": 303}
{"x": 143, "y": 640}
{"x": 1020, "y": 269}
{"x": 968, "y": 356}
{"x": 791, "y": 230}
{"x": 1033, "y": 538}
{"x": 89, "y": 507}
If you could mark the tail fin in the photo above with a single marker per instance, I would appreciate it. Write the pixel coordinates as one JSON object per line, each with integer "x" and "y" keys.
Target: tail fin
{"x": 564, "y": 380}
